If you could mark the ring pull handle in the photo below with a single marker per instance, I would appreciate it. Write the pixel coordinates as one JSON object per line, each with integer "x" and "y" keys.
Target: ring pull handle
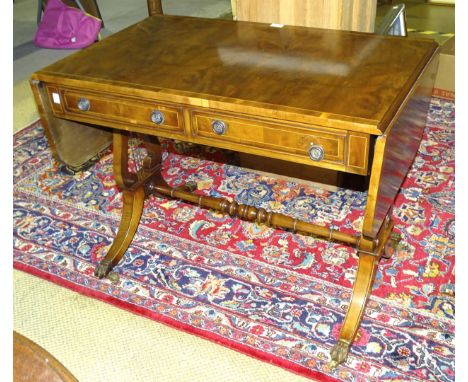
{"x": 316, "y": 152}
{"x": 83, "y": 104}
{"x": 157, "y": 117}
{"x": 219, "y": 127}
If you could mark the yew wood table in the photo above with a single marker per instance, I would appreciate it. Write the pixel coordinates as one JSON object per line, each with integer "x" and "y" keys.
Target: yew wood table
{"x": 343, "y": 101}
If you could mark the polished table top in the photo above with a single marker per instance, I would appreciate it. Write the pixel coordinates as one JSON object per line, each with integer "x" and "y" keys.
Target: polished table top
{"x": 336, "y": 76}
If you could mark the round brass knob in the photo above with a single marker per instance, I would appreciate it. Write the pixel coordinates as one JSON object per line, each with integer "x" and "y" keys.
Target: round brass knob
{"x": 157, "y": 117}
{"x": 316, "y": 152}
{"x": 219, "y": 127}
{"x": 83, "y": 104}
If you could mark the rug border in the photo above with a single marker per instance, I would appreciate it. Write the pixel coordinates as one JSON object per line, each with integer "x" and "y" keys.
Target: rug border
{"x": 215, "y": 338}
{"x": 442, "y": 93}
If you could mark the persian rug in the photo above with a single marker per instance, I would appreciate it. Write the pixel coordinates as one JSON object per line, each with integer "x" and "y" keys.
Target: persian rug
{"x": 271, "y": 294}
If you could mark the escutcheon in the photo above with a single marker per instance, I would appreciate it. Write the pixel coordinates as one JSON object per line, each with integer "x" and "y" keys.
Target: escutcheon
{"x": 157, "y": 117}
{"x": 219, "y": 127}
{"x": 83, "y": 104}
{"x": 316, "y": 152}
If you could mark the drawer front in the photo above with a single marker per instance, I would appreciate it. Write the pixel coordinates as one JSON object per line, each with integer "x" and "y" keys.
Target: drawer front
{"x": 121, "y": 110}
{"x": 276, "y": 138}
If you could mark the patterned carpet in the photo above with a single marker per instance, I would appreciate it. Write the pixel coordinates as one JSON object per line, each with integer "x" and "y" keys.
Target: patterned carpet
{"x": 274, "y": 295}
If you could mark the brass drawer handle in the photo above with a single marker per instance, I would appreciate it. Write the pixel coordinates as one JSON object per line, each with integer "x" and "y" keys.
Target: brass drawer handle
{"x": 219, "y": 127}
{"x": 316, "y": 152}
{"x": 157, "y": 117}
{"x": 83, "y": 104}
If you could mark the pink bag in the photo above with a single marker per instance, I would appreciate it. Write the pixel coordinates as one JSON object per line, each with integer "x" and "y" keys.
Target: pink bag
{"x": 64, "y": 27}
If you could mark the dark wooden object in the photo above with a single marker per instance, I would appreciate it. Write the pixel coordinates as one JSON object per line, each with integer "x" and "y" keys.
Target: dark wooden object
{"x": 154, "y": 7}
{"x": 33, "y": 363}
{"x": 342, "y": 101}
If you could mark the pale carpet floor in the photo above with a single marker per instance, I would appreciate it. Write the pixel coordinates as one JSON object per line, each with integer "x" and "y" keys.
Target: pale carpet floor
{"x": 98, "y": 342}
{"x": 24, "y": 112}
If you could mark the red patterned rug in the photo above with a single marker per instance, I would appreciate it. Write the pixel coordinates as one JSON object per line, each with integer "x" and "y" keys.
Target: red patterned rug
{"x": 271, "y": 294}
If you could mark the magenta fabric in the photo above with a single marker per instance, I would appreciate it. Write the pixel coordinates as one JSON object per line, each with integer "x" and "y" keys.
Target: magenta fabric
{"x": 64, "y": 27}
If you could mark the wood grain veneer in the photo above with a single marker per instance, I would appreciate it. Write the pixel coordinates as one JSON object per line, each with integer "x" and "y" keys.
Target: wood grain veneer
{"x": 330, "y": 78}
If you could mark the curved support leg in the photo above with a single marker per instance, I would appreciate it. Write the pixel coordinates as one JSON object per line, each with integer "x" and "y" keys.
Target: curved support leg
{"x": 370, "y": 253}
{"x": 362, "y": 287}
{"x": 133, "y": 186}
{"x": 132, "y": 208}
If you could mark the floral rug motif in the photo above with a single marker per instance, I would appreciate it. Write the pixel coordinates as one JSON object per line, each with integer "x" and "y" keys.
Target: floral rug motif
{"x": 271, "y": 294}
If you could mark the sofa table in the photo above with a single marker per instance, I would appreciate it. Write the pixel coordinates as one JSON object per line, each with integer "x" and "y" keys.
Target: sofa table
{"x": 344, "y": 101}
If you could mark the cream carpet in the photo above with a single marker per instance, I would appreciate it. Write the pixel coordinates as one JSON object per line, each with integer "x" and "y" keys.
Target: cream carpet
{"x": 98, "y": 342}
{"x": 24, "y": 108}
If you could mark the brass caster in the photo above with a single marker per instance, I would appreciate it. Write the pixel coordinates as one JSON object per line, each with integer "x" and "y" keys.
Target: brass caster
{"x": 113, "y": 277}
{"x": 391, "y": 246}
{"x": 339, "y": 353}
{"x": 191, "y": 186}
{"x": 103, "y": 269}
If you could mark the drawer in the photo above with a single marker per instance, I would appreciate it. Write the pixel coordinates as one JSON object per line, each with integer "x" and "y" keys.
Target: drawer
{"x": 97, "y": 107}
{"x": 312, "y": 145}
